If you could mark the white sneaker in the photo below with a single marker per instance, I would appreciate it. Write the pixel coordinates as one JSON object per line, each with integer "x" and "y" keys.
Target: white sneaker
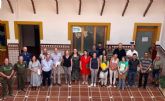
{"x": 94, "y": 85}
{"x": 114, "y": 86}
{"x": 83, "y": 83}
{"x": 109, "y": 86}
{"x": 86, "y": 83}
{"x": 91, "y": 84}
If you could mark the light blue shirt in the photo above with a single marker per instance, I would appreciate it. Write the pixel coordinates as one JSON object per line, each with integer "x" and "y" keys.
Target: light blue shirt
{"x": 56, "y": 57}
{"x": 47, "y": 65}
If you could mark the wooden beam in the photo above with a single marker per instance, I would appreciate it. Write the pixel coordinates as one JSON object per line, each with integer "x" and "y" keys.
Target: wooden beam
{"x": 102, "y": 9}
{"x": 34, "y": 9}
{"x": 11, "y": 7}
{"x": 125, "y": 8}
{"x": 148, "y": 7}
{"x": 80, "y": 3}
{"x": 57, "y": 10}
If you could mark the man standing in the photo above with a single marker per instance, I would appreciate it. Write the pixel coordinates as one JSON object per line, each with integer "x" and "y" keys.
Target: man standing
{"x": 109, "y": 53}
{"x": 93, "y": 51}
{"x": 157, "y": 69}
{"x": 7, "y": 72}
{"x": 145, "y": 66}
{"x": 120, "y": 51}
{"x": 26, "y": 55}
{"x": 131, "y": 52}
{"x": 56, "y": 57}
{"x": 132, "y": 71}
{"x": 26, "y": 58}
{"x": 20, "y": 68}
{"x": 100, "y": 49}
{"x": 43, "y": 54}
{"x": 47, "y": 65}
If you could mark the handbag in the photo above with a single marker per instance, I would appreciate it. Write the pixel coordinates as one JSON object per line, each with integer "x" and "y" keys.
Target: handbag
{"x": 101, "y": 75}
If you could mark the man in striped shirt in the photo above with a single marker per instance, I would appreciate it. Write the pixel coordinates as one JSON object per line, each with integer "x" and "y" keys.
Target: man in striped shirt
{"x": 145, "y": 66}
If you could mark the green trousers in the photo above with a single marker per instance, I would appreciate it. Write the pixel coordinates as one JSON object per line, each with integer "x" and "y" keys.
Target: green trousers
{"x": 21, "y": 81}
{"x": 7, "y": 84}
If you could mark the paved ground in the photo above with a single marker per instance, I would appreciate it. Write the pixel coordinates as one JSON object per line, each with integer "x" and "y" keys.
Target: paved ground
{"x": 78, "y": 92}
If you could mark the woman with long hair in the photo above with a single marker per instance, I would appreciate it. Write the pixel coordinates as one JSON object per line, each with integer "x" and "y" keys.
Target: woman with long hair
{"x": 75, "y": 74}
{"x": 35, "y": 68}
{"x": 84, "y": 67}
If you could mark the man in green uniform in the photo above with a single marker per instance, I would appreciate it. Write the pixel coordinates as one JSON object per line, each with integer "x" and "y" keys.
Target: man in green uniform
{"x": 20, "y": 69}
{"x": 7, "y": 72}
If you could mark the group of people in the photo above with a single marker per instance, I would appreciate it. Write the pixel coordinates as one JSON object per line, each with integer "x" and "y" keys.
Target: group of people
{"x": 108, "y": 68}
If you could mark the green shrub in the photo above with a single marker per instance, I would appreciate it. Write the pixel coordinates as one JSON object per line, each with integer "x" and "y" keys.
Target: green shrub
{"x": 162, "y": 82}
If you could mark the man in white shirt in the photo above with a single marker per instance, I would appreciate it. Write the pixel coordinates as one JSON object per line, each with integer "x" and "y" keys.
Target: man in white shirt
{"x": 43, "y": 54}
{"x": 57, "y": 58}
{"x": 131, "y": 51}
{"x": 47, "y": 65}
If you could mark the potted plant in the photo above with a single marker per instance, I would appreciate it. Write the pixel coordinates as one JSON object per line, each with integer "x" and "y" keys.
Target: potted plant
{"x": 162, "y": 84}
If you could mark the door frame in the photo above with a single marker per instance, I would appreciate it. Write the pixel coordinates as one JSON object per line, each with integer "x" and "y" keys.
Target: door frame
{"x": 7, "y": 34}
{"x": 156, "y": 35}
{"x": 71, "y": 24}
{"x": 17, "y": 32}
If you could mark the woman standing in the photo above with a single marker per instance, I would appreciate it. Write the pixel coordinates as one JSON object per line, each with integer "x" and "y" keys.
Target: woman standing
{"x": 66, "y": 60}
{"x": 123, "y": 68}
{"x": 75, "y": 66}
{"x": 113, "y": 70}
{"x": 94, "y": 66}
{"x": 84, "y": 66}
{"x": 35, "y": 68}
{"x": 104, "y": 71}
{"x": 102, "y": 56}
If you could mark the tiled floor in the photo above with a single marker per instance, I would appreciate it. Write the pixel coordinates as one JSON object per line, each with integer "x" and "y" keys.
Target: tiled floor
{"x": 78, "y": 92}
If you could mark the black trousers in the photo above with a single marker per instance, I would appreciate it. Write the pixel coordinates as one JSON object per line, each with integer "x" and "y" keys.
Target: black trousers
{"x": 145, "y": 76}
{"x": 46, "y": 77}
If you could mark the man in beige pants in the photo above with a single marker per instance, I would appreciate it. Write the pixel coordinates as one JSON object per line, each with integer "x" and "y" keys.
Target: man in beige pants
{"x": 56, "y": 57}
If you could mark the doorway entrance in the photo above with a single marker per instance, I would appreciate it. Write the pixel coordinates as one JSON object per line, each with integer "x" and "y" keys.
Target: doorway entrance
{"x": 146, "y": 35}
{"x": 4, "y": 35}
{"x": 85, "y": 35}
{"x": 29, "y": 36}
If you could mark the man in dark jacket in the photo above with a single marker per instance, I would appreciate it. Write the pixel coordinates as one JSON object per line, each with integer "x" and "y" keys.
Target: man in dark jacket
{"x": 120, "y": 51}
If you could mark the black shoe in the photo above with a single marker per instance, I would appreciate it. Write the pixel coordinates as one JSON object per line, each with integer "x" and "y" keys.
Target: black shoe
{"x": 139, "y": 86}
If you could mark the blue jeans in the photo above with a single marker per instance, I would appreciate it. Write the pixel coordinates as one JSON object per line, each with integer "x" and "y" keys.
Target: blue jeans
{"x": 121, "y": 83}
{"x": 94, "y": 75}
{"x": 155, "y": 74}
{"x": 131, "y": 78}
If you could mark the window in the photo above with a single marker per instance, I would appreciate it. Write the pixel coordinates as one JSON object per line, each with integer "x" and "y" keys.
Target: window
{"x": 85, "y": 35}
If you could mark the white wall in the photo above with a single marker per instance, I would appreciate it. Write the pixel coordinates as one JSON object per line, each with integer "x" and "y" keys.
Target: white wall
{"x": 55, "y": 27}
{"x": 163, "y": 36}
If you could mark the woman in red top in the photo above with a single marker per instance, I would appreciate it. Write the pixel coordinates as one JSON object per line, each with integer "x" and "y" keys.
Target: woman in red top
{"x": 84, "y": 66}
